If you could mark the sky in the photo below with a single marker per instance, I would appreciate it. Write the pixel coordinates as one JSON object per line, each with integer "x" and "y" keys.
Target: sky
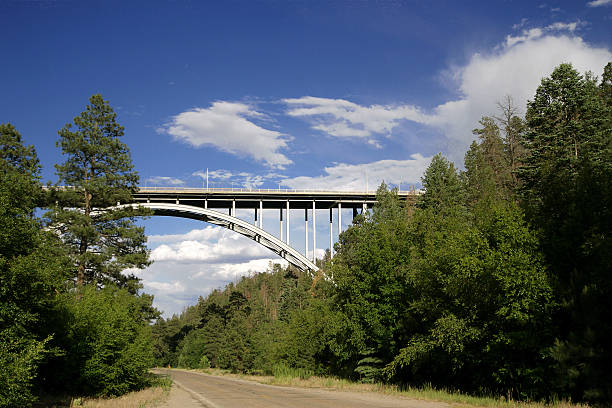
{"x": 279, "y": 94}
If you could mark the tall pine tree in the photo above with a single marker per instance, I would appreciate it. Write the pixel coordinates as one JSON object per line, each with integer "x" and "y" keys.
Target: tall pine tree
{"x": 97, "y": 175}
{"x": 568, "y": 196}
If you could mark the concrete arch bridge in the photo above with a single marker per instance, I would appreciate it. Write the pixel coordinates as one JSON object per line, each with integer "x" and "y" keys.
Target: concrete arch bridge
{"x": 218, "y": 207}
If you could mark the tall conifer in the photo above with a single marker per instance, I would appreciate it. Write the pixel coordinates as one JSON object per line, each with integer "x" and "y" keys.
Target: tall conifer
{"x": 97, "y": 175}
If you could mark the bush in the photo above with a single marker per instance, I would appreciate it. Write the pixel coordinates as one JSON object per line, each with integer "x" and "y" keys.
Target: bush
{"x": 19, "y": 359}
{"x": 204, "y": 362}
{"x": 108, "y": 341}
{"x": 192, "y": 351}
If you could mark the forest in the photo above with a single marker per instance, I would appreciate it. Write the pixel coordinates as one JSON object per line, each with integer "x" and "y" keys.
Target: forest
{"x": 496, "y": 282}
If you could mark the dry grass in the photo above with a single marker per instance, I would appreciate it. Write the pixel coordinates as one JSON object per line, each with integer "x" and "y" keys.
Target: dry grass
{"x": 149, "y": 397}
{"x": 455, "y": 399}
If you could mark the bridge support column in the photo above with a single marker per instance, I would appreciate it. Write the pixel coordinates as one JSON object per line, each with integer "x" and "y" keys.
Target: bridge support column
{"x": 233, "y": 214}
{"x": 255, "y": 223}
{"x": 339, "y": 219}
{"x": 206, "y": 203}
{"x": 354, "y": 212}
{"x": 314, "y": 231}
{"x": 331, "y": 232}
{"x": 287, "y": 225}
{"x": 364, "y": 209}
{"x": 281, "y": 225}
{"x": 306, "y": 230}
{"x": 261, "y": 214}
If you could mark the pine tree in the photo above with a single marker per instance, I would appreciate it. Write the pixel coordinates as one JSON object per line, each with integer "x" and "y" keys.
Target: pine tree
{"x": 568, "y": 196}
{"x": 97, "y": 175}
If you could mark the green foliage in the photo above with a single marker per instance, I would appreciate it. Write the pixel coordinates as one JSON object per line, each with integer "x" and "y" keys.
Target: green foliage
{"x": 204, "y": 362}
{"x": 567, "y": 195}
{"x": 496, "y": 282}
{"x": 31, "y": 266}
{"x": 19, "y": 359}
{"x": 98, "y": 173}
{"x": 107, "y": 340}
{"x": 443, "y": 187}
{"x": 192, "y": 350}
{"x": 282, "y": 371}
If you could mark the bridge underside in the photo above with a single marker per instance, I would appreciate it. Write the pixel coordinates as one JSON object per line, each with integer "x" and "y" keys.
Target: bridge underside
{"x": 242, "y": 227}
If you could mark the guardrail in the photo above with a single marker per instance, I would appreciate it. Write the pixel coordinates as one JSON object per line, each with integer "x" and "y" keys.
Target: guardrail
{"x": 259, "y": 190}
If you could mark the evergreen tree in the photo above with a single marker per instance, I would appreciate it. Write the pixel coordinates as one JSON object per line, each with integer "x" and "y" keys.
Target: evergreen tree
{"x": 97, "y": 175}
{"x": 568, "y": 196}
{"x": 443, "y": 186}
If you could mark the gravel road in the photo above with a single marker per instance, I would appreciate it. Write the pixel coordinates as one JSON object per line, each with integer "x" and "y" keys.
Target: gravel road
{"x": 202, "y": 390}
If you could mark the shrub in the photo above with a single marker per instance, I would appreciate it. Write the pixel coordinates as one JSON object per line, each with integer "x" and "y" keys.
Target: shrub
{"x": 108, "y": 342}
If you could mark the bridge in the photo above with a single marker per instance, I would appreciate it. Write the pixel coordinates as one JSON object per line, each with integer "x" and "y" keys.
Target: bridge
{"x": 218, "y": 206}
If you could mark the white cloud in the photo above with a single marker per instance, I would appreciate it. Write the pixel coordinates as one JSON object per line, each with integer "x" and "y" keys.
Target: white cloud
{"x": 227, "y": 271}
{"x": 192, "y": 264}
{"x": 211, "y": 244}
{"x": 345, "y": 119}
{"x": 352, "y": 177}
{"x": 167, "y": 287}
{"x": 514, "y": 68}
{"x": 599, "y": 3}
{"x": 168, "y": 181}
{"x": 527, "y": 35}
{"x": 225, "y": 126}
{"x": 536, "y": 32}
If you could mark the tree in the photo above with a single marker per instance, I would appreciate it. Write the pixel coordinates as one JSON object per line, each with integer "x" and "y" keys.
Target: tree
{"x": 97, "y": 175}
{"x": 567, "y": 195}
{"x": 31, "y": 266}
{"x": 513, "y": 128}
{"x": 370, "y": 312}
{"x": 107, "y": 341}
{"x": 443, "y": 187}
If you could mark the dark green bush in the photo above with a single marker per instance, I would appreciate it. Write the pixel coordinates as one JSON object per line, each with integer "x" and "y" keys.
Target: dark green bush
{"x": 107, "y": 340}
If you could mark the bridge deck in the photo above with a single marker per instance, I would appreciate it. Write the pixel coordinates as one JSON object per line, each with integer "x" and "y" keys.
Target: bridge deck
{"x": 269, "y": 198}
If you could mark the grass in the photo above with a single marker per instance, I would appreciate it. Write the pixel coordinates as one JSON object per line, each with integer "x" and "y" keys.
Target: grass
{"x": 152, "y": 396}
{"x": 303, "y": 378}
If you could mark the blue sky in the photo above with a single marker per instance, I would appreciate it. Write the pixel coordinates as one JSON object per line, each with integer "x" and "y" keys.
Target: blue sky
{"x": 305, "y": 94}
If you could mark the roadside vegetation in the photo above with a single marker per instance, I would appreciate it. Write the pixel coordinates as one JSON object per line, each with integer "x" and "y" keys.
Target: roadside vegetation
{"x": 425, "y": 392}
{"x": 496, "y": 285}
{"x": 71, "y": 321}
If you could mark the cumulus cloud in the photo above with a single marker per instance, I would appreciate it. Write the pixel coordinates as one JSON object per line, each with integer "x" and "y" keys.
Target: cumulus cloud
{"x": 212, "y": 244}
{"x": 599, "y": 3}
{"x": 354, "y": 177}
{"x": 345, "y": 119}
{"x": 192, "y": 264}
{"x": 514, "y": 68}
{"x": 226, "y": 126}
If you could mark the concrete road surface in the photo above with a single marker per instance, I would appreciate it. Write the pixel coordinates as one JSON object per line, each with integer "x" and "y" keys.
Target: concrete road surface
{"x": 202, "y": 390}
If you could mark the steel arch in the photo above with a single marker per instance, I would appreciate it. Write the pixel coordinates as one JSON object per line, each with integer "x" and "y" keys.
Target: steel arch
{"x": 235, "y": 224}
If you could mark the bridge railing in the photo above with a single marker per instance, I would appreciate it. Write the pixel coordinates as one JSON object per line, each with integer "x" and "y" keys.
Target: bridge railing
{"x": 257, "y": 190}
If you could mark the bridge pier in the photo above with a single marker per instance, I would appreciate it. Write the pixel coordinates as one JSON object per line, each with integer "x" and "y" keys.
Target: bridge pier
{"x": 288, "y": 222}
{"x": 280, "y": 232}
{"x": 213, "y": 202}
{"x": 306, "y": 229}
{"x": 331, "y": 236}
{"x": 314, "y": 231}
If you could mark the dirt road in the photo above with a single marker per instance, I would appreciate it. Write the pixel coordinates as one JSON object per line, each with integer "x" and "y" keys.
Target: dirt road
{"x": 202, "y": 390}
